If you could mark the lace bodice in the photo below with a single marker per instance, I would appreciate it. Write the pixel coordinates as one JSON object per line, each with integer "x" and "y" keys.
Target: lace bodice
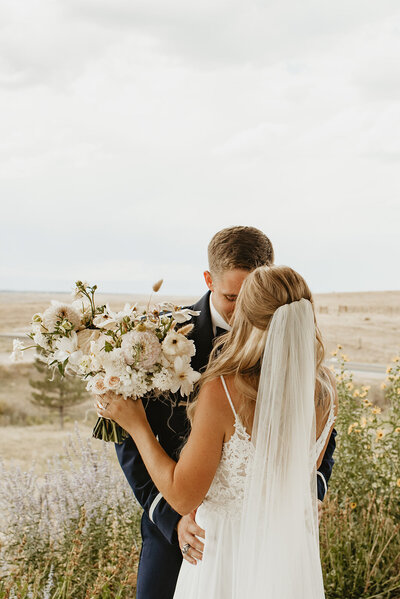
{"x": 226, "y": 492}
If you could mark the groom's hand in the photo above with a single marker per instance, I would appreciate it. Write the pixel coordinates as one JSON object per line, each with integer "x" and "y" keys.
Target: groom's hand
{"x": 188, "y": 531}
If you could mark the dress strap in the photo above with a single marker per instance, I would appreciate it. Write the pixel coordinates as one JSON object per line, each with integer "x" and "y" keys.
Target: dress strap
{"x": 227, "y": 394}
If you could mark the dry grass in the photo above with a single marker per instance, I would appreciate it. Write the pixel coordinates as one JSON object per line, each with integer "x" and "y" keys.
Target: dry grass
{"x": 23, "y": 446}
{"x": 369, "y": 330}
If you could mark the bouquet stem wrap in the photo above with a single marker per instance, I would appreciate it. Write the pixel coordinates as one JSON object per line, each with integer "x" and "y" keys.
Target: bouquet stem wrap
{"x": 108, "y": 430}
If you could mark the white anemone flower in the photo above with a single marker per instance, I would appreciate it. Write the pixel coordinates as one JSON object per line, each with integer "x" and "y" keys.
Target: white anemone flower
{"x": 110, "y": 317}
{"x": 176, "y": 344}
{"x": 41, "y": 340}
{"x": 65, "y": 347}
{"x": 180, "y": 315}
{"x": 184, "y": 376}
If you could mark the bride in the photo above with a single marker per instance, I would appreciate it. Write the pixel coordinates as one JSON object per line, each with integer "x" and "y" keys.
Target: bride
{"x": 260, "y": 426}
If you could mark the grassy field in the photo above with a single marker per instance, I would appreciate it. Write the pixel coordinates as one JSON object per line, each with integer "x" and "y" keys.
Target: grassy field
{"x": 367, "y": 325}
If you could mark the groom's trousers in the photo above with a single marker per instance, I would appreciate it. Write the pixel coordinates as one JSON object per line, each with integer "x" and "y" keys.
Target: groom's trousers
{"x": 160, "y": 562}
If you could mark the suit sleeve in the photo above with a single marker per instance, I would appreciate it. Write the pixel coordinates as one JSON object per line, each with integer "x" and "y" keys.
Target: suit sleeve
{"x": 325, "y": 470}
{"x": 145, "y": 491}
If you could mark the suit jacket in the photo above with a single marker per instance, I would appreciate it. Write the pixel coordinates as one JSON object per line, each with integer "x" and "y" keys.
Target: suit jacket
{"x": 170, "y": 425}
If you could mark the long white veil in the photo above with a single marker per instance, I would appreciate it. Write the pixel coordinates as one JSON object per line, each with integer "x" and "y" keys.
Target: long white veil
{"x": 279, "y": 544}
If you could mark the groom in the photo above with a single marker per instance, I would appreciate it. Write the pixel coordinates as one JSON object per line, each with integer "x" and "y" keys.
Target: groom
{"x": 232, "y": 254}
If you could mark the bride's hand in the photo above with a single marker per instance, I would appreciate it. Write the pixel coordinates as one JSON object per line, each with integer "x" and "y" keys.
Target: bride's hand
{"x": 128, "y": 413}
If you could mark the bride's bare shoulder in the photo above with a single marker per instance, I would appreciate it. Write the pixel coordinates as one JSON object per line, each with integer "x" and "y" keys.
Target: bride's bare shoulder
{"x": 212, "y": 395}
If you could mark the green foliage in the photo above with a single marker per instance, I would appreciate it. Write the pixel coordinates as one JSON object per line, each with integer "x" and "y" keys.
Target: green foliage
{"x": 360, "y": 527}
{"x": 359, "y": 530}
{"x": 56, "y": 391}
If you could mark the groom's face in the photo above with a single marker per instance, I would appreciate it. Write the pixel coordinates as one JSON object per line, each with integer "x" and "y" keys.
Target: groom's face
{"x": 225, "y": 288}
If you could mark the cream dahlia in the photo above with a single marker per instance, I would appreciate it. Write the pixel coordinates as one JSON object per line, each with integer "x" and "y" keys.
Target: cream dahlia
{"x": 58, "y": 312}
{"x": 141, "y": 349}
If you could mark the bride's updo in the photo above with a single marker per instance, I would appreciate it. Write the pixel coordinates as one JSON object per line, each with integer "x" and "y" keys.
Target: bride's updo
{"x": 239, "y": 352}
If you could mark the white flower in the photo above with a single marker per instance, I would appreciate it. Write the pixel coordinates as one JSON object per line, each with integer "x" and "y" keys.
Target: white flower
{"x": 85, "y": 365}
{"x": 138, "y": 387}
{"x": 184, "y": 376}
{"x": 85, "y": 338}
{"x": 58, "y": 312}
{"x": 176, "y": 344}
{"x": 179, "y": 314}
{"x": 74, "y": 361}
{"x": 162, "y": 380}
{"x": 142, "y": 349}
{"x": 18, "y": 348}
{"x": 65, "y": 346}
{"x": 41, "y": 340}
{"x": 114, "y": 362}
{"x": 110, "y": 317}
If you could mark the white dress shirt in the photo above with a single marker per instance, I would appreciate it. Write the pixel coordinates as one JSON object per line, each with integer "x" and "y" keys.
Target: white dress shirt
{"x": 216, "y": 318}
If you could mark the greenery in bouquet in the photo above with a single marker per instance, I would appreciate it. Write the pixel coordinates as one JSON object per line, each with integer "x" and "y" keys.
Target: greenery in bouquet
{"x": 133, "y": 352}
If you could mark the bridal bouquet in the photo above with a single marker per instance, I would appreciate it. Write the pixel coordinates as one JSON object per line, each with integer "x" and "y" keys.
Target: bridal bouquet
{"x": 132, "y": 352}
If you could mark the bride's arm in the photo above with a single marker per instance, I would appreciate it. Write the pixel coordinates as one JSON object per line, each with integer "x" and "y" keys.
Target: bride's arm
{"x": 185, "y": 483}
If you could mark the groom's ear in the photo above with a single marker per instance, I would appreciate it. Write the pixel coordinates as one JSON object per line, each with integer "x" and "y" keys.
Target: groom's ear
{"x": 208, "y": 280}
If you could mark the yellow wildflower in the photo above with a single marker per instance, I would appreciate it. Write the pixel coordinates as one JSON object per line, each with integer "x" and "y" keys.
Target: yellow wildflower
{"x": 345, "y": 358}
{"x": 363, "y": 394}
{"x": 353, "y": 505}
{"x": 397, "y": 429}
{"x": 351, "y": 427}
{"x": 350, "y": 386}
{"x": 334, "y": 353}
{"x": 398, "y": 391}
{"x": 339, "y": 378}
{"x": 356, "y": 393}
{"x": 371, "y": 418}
{"x": 383, "y": 386}
{"x": 366, "y": 387}
{"x": 398, "y": 482}
{"x": 376, "y": 410}
{"x": 339, "y": 347}
{"x": 388, "y": 369}
{"x": 396, "y": 359}
{"x": 379, "y": 434}
{"x": 363, "y": 422}
{"x": 357, "y": 430}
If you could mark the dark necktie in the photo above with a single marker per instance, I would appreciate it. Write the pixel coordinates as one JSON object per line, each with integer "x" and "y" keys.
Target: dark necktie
{"x": 219, "y": 331}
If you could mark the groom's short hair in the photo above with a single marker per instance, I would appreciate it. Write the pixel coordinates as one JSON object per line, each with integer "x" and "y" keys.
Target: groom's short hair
{"x": 245, "y": 248}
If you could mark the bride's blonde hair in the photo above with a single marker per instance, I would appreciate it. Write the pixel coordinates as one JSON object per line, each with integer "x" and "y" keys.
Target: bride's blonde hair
{"x": 239, "y": 352}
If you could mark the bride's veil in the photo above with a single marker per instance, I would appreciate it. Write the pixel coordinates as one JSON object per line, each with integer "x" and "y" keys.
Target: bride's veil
{"x": 279, "y": 545}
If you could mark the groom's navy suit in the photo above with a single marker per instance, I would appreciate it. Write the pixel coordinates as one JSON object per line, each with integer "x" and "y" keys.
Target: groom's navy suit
{"x": 160, "y": 557}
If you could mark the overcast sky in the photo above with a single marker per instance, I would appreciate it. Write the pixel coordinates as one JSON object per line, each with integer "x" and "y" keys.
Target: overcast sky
{"x": 132, "y": 130}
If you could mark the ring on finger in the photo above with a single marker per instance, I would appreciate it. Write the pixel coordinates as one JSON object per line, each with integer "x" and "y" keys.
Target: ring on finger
{"x": 185, "y": 548}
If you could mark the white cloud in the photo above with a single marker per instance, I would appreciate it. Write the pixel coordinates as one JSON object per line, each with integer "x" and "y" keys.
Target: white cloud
{"x": 134, "y": 129}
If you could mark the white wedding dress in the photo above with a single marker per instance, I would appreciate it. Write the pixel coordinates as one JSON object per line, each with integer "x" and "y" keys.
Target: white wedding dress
{"x": 220, "y": 516}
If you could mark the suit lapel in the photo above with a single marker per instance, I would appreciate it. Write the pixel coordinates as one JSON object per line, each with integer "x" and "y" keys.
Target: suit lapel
{"x": 202, "y": 333}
